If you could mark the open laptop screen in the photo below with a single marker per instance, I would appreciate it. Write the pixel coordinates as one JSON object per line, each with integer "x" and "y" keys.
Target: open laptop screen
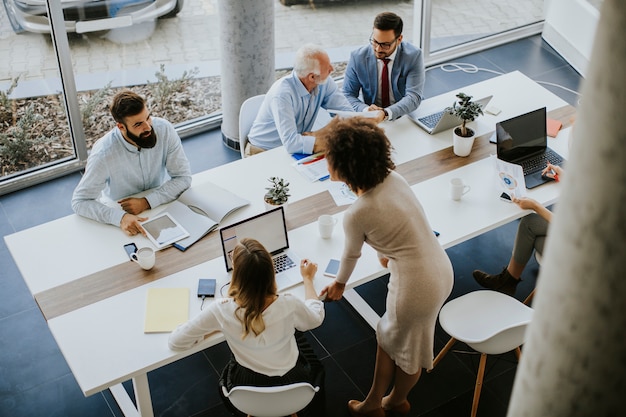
{"x": 522, "y": 136}
{"x": 269, "y": 228}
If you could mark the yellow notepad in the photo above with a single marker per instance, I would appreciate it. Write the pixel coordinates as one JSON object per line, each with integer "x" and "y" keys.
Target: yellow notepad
{"x": 166, "y": 308}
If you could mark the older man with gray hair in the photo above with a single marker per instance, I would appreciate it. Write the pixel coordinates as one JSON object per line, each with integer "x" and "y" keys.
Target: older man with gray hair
{"x": 292, "y": 104}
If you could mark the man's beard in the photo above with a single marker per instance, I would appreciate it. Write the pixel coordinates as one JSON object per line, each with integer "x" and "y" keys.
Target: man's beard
{"x": 144, "y": 140}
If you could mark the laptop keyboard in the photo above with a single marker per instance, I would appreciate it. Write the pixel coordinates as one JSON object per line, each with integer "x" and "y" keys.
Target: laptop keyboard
{"x": 282, "y": 263}
{"x": 539, "y": 162}
{"x": 432, "y": 119}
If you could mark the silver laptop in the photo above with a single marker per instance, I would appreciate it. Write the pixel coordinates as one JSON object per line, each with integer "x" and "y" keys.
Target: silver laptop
{"x": 270, "y": 229}
{"x": 441, "y": 120}
{"x": 523, "y": 140}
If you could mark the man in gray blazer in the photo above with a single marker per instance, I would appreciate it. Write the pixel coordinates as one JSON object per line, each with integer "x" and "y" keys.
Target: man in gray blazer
{"x": 393, "y": 91}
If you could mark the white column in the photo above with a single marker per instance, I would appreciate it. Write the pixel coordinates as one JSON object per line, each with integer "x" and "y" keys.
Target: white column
{"x": 247, "y": 63}
{"x": 574, "y": 361}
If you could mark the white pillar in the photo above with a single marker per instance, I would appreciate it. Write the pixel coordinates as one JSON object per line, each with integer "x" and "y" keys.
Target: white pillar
{"x": 574, "y": 361}
{"x": 247, "y": 58}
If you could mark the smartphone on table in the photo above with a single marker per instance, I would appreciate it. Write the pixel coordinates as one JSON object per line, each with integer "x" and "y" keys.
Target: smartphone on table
{"x": 206, "y": 287}
{"x": 332, "y": 268}
{"x": 130, "y": 248}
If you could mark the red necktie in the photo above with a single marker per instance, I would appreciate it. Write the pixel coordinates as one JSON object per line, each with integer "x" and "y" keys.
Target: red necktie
{"x": 384, "y": 85}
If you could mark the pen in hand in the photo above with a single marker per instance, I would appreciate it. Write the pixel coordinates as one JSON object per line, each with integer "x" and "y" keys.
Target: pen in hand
{"x": 555, "y": 175}
{"x": 550, "y": 172}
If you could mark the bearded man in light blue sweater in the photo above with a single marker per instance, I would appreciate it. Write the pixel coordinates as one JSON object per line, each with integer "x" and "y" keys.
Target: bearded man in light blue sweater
{"x": 142, "y": 153}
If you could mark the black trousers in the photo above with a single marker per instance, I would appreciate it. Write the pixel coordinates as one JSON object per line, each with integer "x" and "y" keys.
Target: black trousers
{"x": 308, "y": 368}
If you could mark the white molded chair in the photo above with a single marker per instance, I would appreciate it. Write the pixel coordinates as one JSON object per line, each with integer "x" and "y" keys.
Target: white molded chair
{"x": 284, "y": 400}
{"x": 247, "y": 113}
{"x": 487, "y": 321}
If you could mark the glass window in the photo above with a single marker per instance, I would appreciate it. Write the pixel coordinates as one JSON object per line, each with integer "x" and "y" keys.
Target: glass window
{"x": 455, "y": 22}
{"x": 55, "y": 89}
{"x": 34, "y": 130}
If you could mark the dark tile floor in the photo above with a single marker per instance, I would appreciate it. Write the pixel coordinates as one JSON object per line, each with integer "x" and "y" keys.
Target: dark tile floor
{"x": 36, "y": 381}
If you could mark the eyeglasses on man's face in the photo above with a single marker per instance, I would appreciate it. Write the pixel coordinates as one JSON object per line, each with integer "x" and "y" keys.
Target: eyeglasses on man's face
{"x": 384, "y": 46}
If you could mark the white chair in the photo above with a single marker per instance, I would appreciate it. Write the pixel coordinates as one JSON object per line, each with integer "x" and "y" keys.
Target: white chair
{"x": 487, "y": 321}
{"x": 284, "y": 400}
{"x": 247, "y": 113}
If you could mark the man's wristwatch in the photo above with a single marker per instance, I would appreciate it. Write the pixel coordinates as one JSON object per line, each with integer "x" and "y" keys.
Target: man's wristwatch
{"x": 386, "y": 115}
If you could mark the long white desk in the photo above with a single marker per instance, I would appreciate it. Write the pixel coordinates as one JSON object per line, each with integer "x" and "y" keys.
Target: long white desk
{"x": 66, "y": 248}
{"x": 104, "y": 343}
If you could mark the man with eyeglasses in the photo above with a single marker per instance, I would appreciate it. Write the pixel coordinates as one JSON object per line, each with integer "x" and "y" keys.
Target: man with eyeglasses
{"x": 289, "y": 111}
{"x": 388, "y": 75}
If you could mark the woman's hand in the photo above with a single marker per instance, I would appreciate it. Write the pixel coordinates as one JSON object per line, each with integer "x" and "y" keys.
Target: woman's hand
{"x": 552, "y": 171}
{"x": 308, "y": 269}
{"x": 333, "y": 292}
{"x": 526, "y": 203}
{"x": 530, "y": 204}
{"x": 383, "y": 261}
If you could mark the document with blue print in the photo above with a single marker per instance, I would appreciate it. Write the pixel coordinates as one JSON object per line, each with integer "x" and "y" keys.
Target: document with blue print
{"x": 509, "y": 178}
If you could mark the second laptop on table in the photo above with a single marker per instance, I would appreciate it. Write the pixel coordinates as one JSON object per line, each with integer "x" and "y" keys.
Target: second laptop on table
{"x": 523, "y": 140}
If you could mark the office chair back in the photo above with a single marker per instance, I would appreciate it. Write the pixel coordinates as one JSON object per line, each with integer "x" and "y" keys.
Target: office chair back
{"x": 247, "y": 113}
{"x": 278, "y": 401}
{"x": 487, "y": 321}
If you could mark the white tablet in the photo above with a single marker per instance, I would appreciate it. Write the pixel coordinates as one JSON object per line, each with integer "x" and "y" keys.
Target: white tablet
{"x": 163, "y": 230}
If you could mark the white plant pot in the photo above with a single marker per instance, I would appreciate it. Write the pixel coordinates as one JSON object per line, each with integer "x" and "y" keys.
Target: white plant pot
{"x": 269, "y": 206}
{"x": 462, "y": 146}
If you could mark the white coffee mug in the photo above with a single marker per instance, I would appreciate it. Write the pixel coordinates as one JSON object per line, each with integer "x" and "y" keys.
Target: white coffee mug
{"x": 458, "y": 189}
{"x": 145, "y": 257}
{"x": 326, "y": 224}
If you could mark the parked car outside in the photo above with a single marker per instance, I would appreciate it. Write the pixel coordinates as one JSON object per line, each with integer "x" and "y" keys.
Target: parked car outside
{"x": 83, "y": 16}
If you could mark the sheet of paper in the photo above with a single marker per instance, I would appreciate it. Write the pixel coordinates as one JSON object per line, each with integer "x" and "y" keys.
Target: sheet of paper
{"x": 341, "y": 193}
{"x": 343, "y": 113}
{"x": 314, "y": 169}
{"x": 509, "y": 178}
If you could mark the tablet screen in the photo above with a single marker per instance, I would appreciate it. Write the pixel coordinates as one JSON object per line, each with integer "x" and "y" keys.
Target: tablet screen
{"x": 163, "y": 230}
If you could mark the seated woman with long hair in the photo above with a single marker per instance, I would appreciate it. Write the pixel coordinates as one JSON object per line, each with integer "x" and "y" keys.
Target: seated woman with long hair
{"x": 260, "y": 325}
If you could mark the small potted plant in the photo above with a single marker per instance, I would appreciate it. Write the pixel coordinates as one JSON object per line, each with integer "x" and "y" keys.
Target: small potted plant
{"x": 467, "y": 111}
{"x": 277, "y": 194}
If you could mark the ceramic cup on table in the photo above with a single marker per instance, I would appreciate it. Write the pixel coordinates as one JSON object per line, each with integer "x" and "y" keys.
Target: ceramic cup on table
{"x": 145, "y": 257}
{"x": 326, "y": 224}
{"x": 458, "y": 189}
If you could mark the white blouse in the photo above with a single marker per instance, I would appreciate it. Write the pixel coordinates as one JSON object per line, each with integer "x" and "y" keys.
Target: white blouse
{"x": 274, "y": 351}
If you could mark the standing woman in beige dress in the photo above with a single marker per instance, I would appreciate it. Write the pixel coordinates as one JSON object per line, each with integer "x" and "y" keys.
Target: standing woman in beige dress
{"x": 389, "y": 218}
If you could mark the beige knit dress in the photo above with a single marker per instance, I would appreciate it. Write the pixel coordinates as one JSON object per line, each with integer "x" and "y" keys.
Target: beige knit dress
{"x": 391, "y": 220}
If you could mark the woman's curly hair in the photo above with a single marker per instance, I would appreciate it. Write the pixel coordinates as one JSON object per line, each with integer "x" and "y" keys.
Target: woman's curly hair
{"x": 358, "y": 151}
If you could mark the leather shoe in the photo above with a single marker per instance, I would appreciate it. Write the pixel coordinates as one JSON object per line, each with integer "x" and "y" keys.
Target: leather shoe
{"x": 503, "y": 282}
{"x": 353, "y": 404}
{"x": 400, "y": 409}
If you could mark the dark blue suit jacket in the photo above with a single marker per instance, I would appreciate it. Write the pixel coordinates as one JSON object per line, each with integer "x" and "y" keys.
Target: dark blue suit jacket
{"x": 407, "y": 79}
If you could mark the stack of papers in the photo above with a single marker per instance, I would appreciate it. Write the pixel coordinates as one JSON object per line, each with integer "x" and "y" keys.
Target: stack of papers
{"x": 312, "y": 167}
{"x": 346, "y": 114}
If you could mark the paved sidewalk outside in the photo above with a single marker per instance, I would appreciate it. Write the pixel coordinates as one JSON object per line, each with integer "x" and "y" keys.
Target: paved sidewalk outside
{"x": 192, "y": 39}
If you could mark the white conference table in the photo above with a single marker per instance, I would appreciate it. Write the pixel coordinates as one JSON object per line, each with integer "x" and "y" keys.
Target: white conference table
{"x": 104, "y": 343}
